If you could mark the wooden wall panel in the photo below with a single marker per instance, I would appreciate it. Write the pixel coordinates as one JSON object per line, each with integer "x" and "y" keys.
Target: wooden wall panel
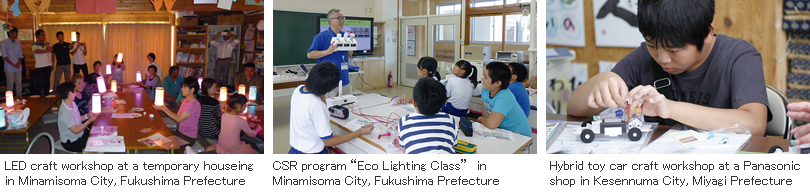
{"x": 410, "y": 8}
{"x": 443, "y": 51}
{"x": 752, "y": 20}
{"x": 146, "y": 5}
{"x": 25, "y": 21}
{"x": 590, "y": 54}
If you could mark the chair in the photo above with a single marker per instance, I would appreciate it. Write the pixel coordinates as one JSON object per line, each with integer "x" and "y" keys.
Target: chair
{"x": 40, "y": 135}
{"x": 778, "y": 124}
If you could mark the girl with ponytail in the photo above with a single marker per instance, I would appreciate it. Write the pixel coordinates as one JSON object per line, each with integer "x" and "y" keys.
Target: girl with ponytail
{"x": 460, "y": 88}
{"x": 427, "y": 66}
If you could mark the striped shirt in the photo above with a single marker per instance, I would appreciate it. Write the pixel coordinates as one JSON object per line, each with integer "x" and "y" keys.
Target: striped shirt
{"x": 210, "y": 115}
{"x": 422, "y": 134}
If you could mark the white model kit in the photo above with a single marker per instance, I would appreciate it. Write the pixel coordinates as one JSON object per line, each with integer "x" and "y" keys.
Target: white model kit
{"x": 630, "y": 124}
{"x": 345, "y": 42}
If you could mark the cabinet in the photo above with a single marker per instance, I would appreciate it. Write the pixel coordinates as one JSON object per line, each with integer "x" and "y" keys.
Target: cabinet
{"x": 373, "y": 73}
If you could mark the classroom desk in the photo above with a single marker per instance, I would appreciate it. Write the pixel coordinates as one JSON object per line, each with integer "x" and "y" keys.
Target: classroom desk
{"x": 756, "y": 144}
{"x": 130, "y": 128}
{"x": 293, "y": 82}
{"x": 370, "y": 144}
{"x": 370, "y": 100}
{"x": 38, "y": 107}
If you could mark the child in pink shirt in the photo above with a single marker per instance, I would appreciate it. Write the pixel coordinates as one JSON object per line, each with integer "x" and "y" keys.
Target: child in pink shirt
{"x": 232, "y": 124}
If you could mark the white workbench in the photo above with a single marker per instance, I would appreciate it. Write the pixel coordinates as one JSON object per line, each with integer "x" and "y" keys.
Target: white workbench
{"x": 370, "y": 144}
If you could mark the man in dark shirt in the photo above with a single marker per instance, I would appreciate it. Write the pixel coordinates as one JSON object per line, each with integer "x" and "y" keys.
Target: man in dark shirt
{"x": 62, "y": 52}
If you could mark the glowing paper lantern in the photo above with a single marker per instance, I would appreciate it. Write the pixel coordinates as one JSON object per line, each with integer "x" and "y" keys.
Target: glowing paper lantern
{"x": 114, "y": 86}
{"x": 223, "y": 94}
{"x": 109, "y": 69}
{"x": 102, "y": 87}
{"x": 138, "y": 76}
{"x": 199, "y": 81}
{"x": 9, "y": 98}
{"x": 73, "y": 36}
{"x": 2, "y": 118}
{"x": 159, "y": 96}
{"x": 96, "y": 103}
{"x": 253, "y": 92}
{"x": 120, "y": 57}
{"x": 242, "y": 89}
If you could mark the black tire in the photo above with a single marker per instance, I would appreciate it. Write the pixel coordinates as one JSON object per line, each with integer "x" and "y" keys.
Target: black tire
{"x": 586, "y": 123}
{"x": 634, "y": 134}
{"x": 774, "y": 147}
{"x": 586, "y": 136}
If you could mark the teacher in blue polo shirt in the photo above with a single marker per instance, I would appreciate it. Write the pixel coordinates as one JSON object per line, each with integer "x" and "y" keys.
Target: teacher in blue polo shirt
{"x": 323, "y": 49}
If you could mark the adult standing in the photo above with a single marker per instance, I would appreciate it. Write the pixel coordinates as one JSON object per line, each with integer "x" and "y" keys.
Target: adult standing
{"x": 151, "y": 59}
{"x": 225, "y": 49}
{"x": 12, "y": 54}
{"x": 62, "y": 52}
{"x": 79, "y": 50}
{"x": 324, "y": 49}
{"x": 44, "y": 57}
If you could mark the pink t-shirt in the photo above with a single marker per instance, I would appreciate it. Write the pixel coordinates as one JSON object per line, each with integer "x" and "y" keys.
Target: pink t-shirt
{"x": 229, "y": 142}
{"x": 189, "y": 126}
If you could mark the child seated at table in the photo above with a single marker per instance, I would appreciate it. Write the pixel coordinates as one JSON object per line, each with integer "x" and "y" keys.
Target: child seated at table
{"x": 310, "y": 132}
{"x": 73, "y": 133}
{"x": 460, "y": 89}
{"x": 232, "y": 125}
{"x": 519, "y": 74}
{"x": 188, "y": 115}
{"x": 428, "y": 131}
{"x": 210, "y": 113}
{"x": 426, "y": 67}
{"x": 501, "y": 108}
{"x": 91, "y": 85}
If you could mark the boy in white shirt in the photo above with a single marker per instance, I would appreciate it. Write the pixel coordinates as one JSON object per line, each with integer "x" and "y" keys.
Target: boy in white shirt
{"x": 310, "y": 132}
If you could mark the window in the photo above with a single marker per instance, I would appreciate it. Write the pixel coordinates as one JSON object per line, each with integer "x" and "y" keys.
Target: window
{"x": 445, "y": 33}
{"x": 448, "y": 8}
{"x": 487, "y": 29}
{"x": 517, "y": 29}
{"x": 486, "y": 3}
{"x": 516, "y": 1}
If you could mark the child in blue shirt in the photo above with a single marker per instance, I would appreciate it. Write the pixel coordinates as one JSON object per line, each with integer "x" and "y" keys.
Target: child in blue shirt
{"x": 428, "y": 131}
{"x": 501, "y": 108}
{"x": 310, "y": 132}
{"x": 460, "y": 89}
{"x": 519, "y": 74}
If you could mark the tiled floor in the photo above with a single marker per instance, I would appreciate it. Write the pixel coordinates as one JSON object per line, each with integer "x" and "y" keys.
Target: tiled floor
{"x": 281, "y": 118}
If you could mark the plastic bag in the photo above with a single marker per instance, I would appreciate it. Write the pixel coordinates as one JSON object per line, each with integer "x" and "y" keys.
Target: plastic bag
{"x": 569, "y": 141}
{"x": 681, "y": 139}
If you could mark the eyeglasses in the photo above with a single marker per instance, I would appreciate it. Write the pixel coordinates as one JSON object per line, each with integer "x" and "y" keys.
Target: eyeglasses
{"x": 340, "y": 18}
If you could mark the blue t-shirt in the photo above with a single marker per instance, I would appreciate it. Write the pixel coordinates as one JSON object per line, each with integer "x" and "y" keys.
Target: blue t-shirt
{"x": 321, "y": 42}
{"x": 504, "y": 102}
{"x": 522, "y": 97}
